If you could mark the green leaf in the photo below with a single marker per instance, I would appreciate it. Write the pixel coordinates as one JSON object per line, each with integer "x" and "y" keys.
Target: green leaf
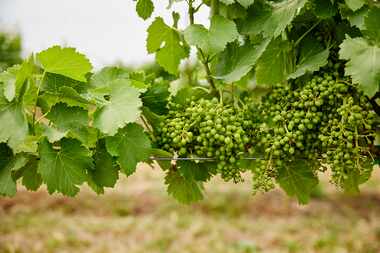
{"x": 236, "y": 61}
{"x": 106, "y": 75}
{"x": 14, "y": 77}
{"x": 53, "y": 134}
{"x": 159, "y": 153}
{"x": 355, "y": 4}
{"x": 65, "y": 95}
{"x": 144, "y": 8}
{"x": 122, "y": 108}
{"x": 214, "y": 41}
{"x": 233, "y": 11}
{"x": 297, "y": 180}
{"x": 312, "y": 58}
{"x": 166, "y": 43}
{"x": 74, "y": 122}
{"x": 183, "y": 190}
{"x": 352, "y": 181}
{"x": 66, "y": 62}
{"x": 8, "y": 78}
{"x": 9, "y": 163}
{"x": 131, "y": 145}
{"x": 357, "y": 18}
{"x": 156, "y": 98}
{"x": 63, "y": 169}
{"x": 246, "y": 3}
{"x": 104, "y": 174}
{"x": 227, "y": 2}
{"x": 153, "y": 119}
{"x": 31, "y": 179}
{"x": 363, "y": 63}
{"x": 324, "y": 9}
{"x": 372, "y": 24}
{"x": 271, "y": 19}
{"x": 14, "y": 126}
{"x": 58, "y": 88}
{"x": 273, "y": 66}
{"x": 201, "y": 171}
{"x": 138, "y": 80}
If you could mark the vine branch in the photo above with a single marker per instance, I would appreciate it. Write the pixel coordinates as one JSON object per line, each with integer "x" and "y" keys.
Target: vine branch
{"x": 204, "y": 60}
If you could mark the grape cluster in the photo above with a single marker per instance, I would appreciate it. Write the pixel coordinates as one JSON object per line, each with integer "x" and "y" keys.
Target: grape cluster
{"x": 207, "y": 128}
{"x": 324, "y": 121}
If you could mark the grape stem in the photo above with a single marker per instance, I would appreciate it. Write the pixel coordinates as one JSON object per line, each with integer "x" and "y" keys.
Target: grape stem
{"x": 35, "y": 105}
{"x": 306, "y": 33}
{"x": 204, "y": 60}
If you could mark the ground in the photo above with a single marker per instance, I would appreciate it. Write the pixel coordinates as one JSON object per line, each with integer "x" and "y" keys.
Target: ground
{"x": 138, "y": 216}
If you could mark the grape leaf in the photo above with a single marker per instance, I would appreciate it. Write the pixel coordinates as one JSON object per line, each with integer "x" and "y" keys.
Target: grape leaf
{"x": 123, "y": 107}
{"x": 13, "y": 79}
{"x": 8, "y": 78}
{"x": 351, "y": 182}
{"x": 138, "y": 80}
{"x": 164, "y": 164}
{"x": 31, "y": 179}
{"x": 14, "y": 126}
{"x": 183, "y": 190}
{"x": 236, "y": 61}
{"x": 324, "y": 9}
{"x": 273, "y": 65}
{"x": 131, "y": 145}
{"x": 372, "y": 24}
{"x": 312, "y": 57}
{"x": 153, "y": 119}
{"x": 271, "y": 20}
{"x": 355, "y": 4}
{"x": 104, "y": 174}
{"x": 58, "y": 88}
{"x": 106, "y": 75}
{"x": 74, "y": 122}
{"x": 363, "y": 63}
{"x": 166, "y": 43}
{"x": 156, "y": 98}
{"x": 144, "y": 8}
{"x": 196, "y": 171}
{"x": 297, "y": 180}
{"x": 227, "y": 2}
{"x": 9, "y": 163}
{"x": 214, "y": 41}
{"x": 64, "y": 169}
{"x": 356, "y": 18}
{"x": 66, "y": 62}
{"x": 65, "y": 94}
{"x": 233, "y": 11}
{"x": 310, "y": 63}
{"x": 53, "y": 134}
{"x": 246, "y": 3}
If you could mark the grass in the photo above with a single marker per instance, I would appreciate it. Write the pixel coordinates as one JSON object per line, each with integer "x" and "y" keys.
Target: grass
{"x": 138, "y": 216}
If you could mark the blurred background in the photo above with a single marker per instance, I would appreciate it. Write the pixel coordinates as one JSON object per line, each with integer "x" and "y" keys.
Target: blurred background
{"x": 106, "y": 31}
{"x": 139, "y": 216}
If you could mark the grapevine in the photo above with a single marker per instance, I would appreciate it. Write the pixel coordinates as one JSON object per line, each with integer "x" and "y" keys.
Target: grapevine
{"x": 284, "y": 90}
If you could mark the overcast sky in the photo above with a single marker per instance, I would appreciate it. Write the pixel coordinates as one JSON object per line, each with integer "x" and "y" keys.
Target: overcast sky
{"x": 107, "y": 31}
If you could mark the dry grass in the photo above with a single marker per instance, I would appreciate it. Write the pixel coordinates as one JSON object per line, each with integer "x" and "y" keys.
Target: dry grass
{"x": 138, "y": 216}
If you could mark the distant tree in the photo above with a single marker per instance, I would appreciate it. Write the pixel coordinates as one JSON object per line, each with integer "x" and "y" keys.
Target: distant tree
{"x": 10, "y": 50}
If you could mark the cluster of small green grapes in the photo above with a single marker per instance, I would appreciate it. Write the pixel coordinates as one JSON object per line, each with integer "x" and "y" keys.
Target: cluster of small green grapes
{"x": 207, "y": 128}
{"x": 346, "y": 139}
{"x": 323, "y": 121}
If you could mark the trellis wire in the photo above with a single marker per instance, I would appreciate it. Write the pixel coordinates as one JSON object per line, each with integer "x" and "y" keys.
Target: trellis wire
{"x": 195, "y": 158}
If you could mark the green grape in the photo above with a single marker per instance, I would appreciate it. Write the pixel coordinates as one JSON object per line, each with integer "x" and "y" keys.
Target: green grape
{"x": 207, "y": 128}
{"x": 323, "y": 121}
